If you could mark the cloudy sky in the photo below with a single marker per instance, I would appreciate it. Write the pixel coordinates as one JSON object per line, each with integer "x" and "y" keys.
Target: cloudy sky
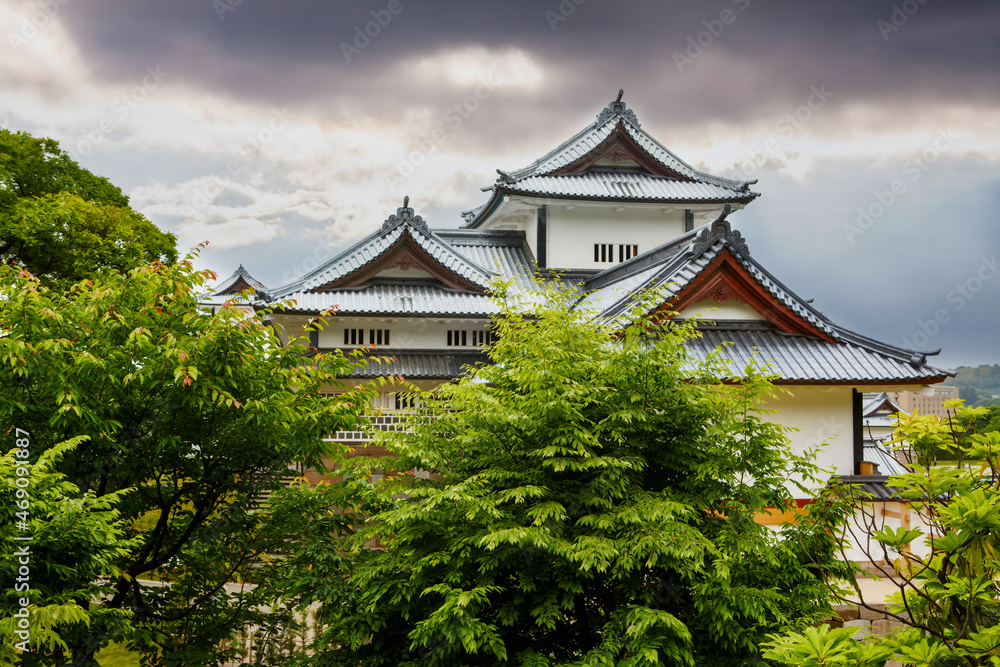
{"x": 282, "y": 131}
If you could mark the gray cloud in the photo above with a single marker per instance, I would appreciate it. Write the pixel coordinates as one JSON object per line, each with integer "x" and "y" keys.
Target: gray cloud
{"x": 759, "y": 63}
{"x": 760, "y": 66}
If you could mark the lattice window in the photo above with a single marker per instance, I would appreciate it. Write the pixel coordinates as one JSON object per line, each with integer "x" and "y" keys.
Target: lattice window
{"x": 474, "y": 338}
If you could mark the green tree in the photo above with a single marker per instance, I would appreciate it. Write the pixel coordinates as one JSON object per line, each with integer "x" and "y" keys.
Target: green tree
{"x": 969, "y": 394}
{"x": 62, "y": 222}
{"x": 188, "y": 419}
{"x": 593, "y": 502}
{"x": 947, "y": 567}
{"x": 58, "y": 550}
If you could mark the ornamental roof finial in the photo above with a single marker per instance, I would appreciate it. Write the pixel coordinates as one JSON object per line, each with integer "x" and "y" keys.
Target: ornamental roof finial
{"x": 720, "y": 229}
{"x": 405, "y": 214}
{"x": 617, "y": 108}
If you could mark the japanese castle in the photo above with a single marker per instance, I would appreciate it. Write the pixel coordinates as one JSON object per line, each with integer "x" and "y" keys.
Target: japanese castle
{"x": 608, "y": 213}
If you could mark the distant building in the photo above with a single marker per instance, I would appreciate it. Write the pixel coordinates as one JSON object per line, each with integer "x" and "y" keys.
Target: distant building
{"x": 879, "y": 423}
{"x": 926, "y": 402}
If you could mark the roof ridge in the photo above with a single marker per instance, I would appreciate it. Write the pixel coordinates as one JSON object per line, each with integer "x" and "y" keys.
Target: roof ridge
{"x": 739, "y": 186}
{"x": 240, "y": 272}
{"x": 404, "y": 221}
{"x": 615, "y": 110}
{"x": 585, "y": 142}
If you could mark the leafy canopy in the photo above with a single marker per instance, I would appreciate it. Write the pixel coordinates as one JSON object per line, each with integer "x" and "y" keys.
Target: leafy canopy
{"x": 592, "y": 502}
{"x": 68, "y": 543}
{"x": 63, "y": 223}
{"x": 182, "y": 420}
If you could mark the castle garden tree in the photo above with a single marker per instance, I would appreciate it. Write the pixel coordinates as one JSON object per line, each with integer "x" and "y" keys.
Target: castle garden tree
{"x": 63, "y": 223}
{"x": 592, "y": 502}
{"x": 945, "y": 567}
{"x": 181, "y": 420}
{"x": 58, "y": 547}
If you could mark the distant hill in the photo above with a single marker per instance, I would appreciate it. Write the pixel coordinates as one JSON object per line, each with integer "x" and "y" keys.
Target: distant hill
{"x": 984, "y": 380}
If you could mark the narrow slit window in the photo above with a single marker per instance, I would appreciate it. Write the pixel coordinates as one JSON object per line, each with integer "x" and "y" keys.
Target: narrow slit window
{"x": 604, "y": 252}
{"x": 627, "y": 251}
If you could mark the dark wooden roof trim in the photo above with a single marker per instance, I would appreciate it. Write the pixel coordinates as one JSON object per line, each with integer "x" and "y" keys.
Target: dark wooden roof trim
{"x": 726, "y": 273}
{"x": 239, "y": 285}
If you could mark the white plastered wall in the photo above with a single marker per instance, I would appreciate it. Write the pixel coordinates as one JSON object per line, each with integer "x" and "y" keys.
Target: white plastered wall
{"x": 406, "y": 333}
{"x": 821, "y": 416}
{"x": 712, "y": 310}
{"x": 573, "y": 227}
{"x": 572, "y": 233}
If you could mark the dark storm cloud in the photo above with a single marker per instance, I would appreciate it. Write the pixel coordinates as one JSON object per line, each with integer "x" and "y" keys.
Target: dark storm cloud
{"x": 685, "y": 66}
{"x": 764, "y": 59}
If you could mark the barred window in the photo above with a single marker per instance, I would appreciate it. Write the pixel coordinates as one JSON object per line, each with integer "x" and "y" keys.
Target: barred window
{"x": 604, "y": 253}
{"x": 375, "y": 337}
{"x": 627, "y": 251}
{"x": 474, "y": 338}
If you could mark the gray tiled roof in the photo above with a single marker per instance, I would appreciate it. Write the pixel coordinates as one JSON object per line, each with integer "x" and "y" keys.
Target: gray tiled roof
{"x": 503, "y": 252}
{"x": 684, "y": 259}
{"x": 364, "y": 252}
{"x": 875, "y": 400}
{"x": 240, "y": 273}
{"x": 879, "y": 454}
{"x": 800, "y": 359}
{"x": 595, "y": 133}
{"x": 851, "y": 358}
{"x": 232, "y": 289}
{"x": 396, "y": 299}
{"x": 881, "y": 421}
{"x": 874, "y": 486}
{"x": 499, "y": 253}
{"x": 419, "y": 365}
{"x": 614, "y": 184}
{"x": 622, "y": 186}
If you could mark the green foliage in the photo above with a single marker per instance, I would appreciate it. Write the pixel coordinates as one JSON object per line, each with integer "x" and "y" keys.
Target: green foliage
{"x": 65, "y": 224}
{"x": 68, "y": 544}
{"x": 117, "y": 655}
{"x": 592, "y": 503}
{"x": 982, "y": 377}
{"x": 948, "y": 596}
{"x": 196, "y": 416}
{"x": 823, "y": 647}
{"x": 978, "y": 385}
